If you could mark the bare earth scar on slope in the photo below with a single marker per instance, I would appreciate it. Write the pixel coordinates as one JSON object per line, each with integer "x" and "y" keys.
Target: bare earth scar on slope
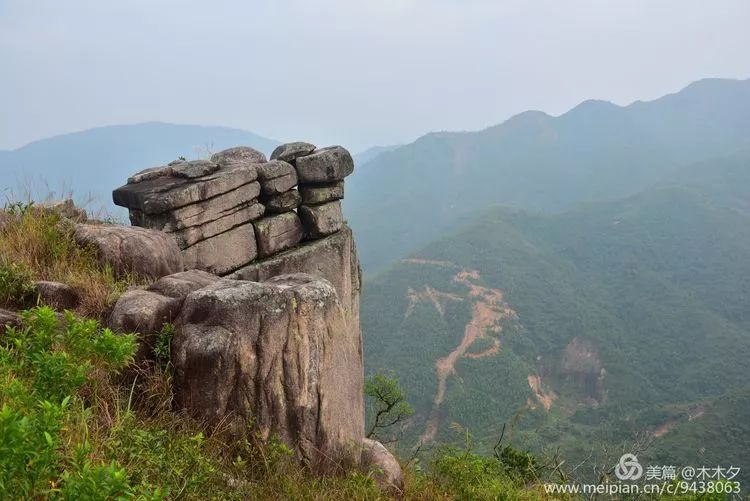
{"x": 488, "y": 311}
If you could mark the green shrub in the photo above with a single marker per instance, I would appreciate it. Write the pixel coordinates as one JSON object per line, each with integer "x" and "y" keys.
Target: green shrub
{"x": 16, "y": 283}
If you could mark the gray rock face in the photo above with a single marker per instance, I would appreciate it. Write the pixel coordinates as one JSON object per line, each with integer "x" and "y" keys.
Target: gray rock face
{"x": 240, "y": 155}
{"x": 319, "y": 194}
{"x": 325, "y": 165}
{"x": 146, "y": 311}
{"x": 199, "y": 213}
{"x": 8, "y": 319}
{"x": 277, "y": 233}
{"x": 284, "y": 202}
{"x": 223, "y": 253}
{"x": 151, "y": 173}
{"x": 57, "y": 295}
{"x": 277, "y": 352}
{"x": 321, "y": 220}
{"x": 194, "y": 234}
{"x": 289, "y": 152}
{"x": 276, "y": 177}
{"x": 165, "y": 193}
{"x": 333, "y": 258}
{"x": 132, "y": 250}
{"x": 194, "y": 168}
{"x": 386, "y": 471}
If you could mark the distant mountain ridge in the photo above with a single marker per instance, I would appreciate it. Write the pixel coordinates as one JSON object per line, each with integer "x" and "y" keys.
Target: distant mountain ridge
{"x": 540, "y": 163}
{"x": 98, "y": 160}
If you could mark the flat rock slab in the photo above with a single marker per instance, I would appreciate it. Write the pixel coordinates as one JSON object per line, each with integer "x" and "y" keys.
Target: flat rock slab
{"x": 165, "y": 193}
{"x": 276, "y": 177}
{"x": 277, "y": 233}
{"x": 179, "y": 285}
{"x": 321, "y": 220}
{"x": 191, "y": 236}
{"x": 194, "y": 169}
{"x": 321, "y": 193}
{"x": 289, "y": 152}
{"x": 8, "y": 319}
{"x": 277, "y": 352}
{"x": 223, "y": 253}
{"x": 325, "y": 165}
{"x": 201, "y": 212}
{"x": 283, "y": 202}
{"x": 129, "y": 249}
{"x": 240, "y": 155}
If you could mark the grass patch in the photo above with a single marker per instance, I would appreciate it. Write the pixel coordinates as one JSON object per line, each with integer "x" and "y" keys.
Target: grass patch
{"x": 36, "y": 244}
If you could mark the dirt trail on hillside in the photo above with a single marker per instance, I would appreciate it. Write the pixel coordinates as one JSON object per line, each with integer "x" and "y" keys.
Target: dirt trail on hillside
{"x": 488, "y": 311}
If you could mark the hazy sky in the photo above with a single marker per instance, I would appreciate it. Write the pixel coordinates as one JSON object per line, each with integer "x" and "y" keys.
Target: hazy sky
{"x": 352, "y": 72}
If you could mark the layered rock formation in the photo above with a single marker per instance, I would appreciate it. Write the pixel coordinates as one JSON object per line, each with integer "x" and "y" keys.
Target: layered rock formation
{"x": 226, "y": 212}
{"x": 276, "y": 342}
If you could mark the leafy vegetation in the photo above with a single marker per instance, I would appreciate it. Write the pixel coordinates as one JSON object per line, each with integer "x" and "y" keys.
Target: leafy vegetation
{"x": 389, "y": 404}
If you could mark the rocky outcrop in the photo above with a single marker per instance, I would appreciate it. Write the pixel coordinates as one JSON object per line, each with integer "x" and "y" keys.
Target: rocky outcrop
{"x": 236, "y": 208}
{"x": 378, "y": 461}
{"x": 8, "y": 319}
{"x": 57, "y": 295}
{"x": 278, "y": 354}
{"x": 133, "y": 250}
{"x": 145, "y": 311}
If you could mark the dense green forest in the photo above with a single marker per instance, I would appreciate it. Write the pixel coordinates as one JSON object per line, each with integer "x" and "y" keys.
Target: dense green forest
{"x": 628, "y": 320}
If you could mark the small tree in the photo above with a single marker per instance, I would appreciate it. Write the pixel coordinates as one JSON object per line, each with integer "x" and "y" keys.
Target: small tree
{"x": 389, "y": 403}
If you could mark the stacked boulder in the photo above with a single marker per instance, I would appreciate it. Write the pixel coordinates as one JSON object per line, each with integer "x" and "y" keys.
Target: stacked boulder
{"x": 236, "y": 207}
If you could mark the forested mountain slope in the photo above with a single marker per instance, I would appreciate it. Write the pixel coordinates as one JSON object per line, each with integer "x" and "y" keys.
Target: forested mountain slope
{"x": 581, "y": 328}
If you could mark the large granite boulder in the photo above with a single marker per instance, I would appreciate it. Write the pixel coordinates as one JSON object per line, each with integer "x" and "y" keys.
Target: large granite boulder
{"x": 277, "y": 233}
{"x": 384, "y": 467}
{"x": 289, "y": 152}
{"x": 321, "y": 220}
{"x": 324, "y": 165}
{"x": 333, "y": 258}
{"x": 280, "y": 355}
{"x": 155, "y": 195}
{"x": 145, "y": 311}
{"x": 57, "y": 295}
{"x": 276, "y": 177}
{"x": 130, "y": 249}
{"x": 239, "y": 155}
{"x": 283, "y": 202}
{"x": 316, "y": 194}
{"x": 225, "y": 252}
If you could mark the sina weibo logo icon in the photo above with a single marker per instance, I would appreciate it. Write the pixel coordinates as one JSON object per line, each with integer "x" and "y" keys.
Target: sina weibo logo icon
{"x": 628, "y": 468}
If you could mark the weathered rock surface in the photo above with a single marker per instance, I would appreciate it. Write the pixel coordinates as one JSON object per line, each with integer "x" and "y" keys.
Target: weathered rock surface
{"x": 319, "y": 194}
{"x": 240, "y": 155}
{"x": 321, "y": 220}
{"x": 201, "y": 212}
{"x": 145, "y": 311}
{"x": 277, "y": 233}
{"x": 150, "y": 173}
{"x": 194, "y": 168}
{"x": 325, "y": 165}
{"x": 57, "y": 295}
{"x": 225, "y": 252}
{"x": 289, "y": 152}
{"x": 333, "y": 258}
{"x": 131, "y": 249}
{"x": 276, "y": 177}
{"x": 194, "y": 234}
{"x": 283, "y": 202}
{"x": 165, "y": 193}
{"x": 277, "y": 352}
{"x": 8, "y": 319}
{"x": 385, "y": 468}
